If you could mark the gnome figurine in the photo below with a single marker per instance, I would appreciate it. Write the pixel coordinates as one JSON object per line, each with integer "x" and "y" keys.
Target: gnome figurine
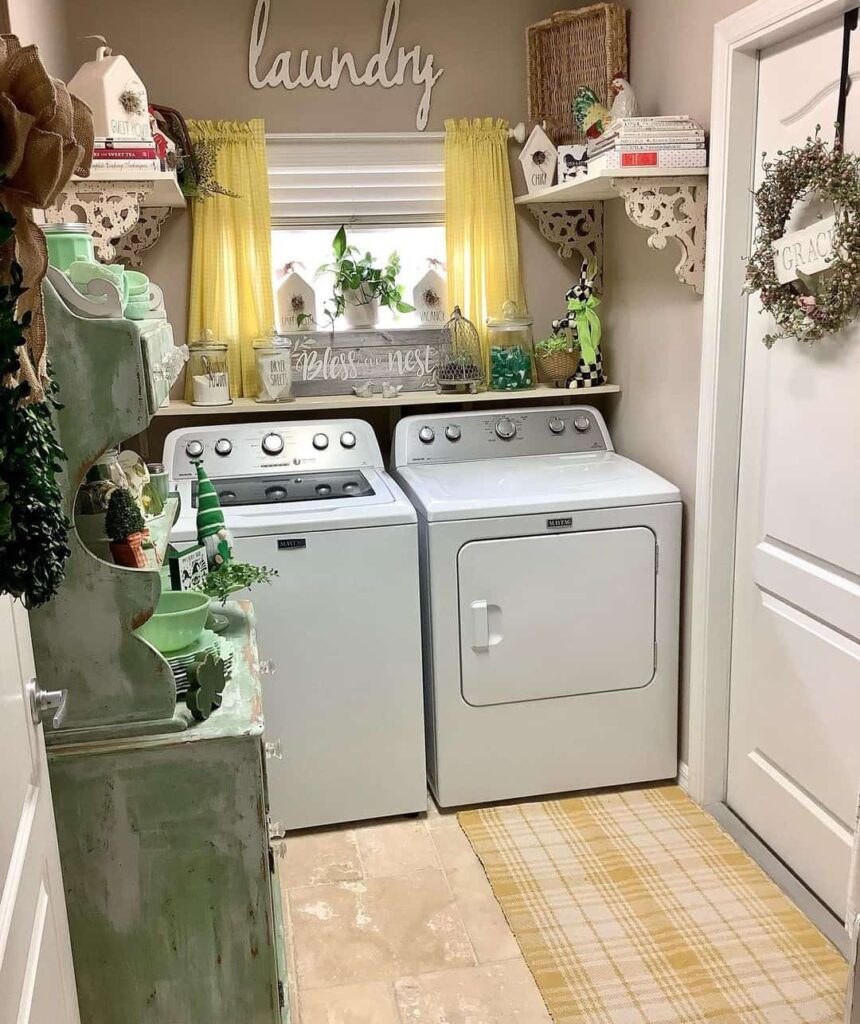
{"x": 212, "y": 531}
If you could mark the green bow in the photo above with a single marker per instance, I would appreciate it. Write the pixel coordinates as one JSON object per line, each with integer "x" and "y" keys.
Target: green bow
{"x": 588, "y": 329}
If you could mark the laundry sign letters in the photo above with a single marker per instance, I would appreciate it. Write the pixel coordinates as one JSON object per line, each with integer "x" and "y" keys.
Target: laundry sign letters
{"x": 386, "y": 67}
{"x": 807, "y": 251}
{"x": 326, "y": 364}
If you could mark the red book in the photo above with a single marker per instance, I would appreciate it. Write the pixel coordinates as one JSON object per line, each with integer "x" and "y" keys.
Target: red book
{"x": 147, "y": 153}
{"x": 648, "y": 159}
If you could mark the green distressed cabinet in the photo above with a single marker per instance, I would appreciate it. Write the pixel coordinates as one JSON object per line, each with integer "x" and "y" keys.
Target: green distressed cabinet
{"x": 162, "y": 820}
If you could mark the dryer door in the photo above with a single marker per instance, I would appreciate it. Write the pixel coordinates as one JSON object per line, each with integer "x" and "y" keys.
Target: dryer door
{"x": 557, "y": 615}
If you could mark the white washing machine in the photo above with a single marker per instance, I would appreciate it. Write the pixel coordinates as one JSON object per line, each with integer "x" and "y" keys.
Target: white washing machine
{"x": 550, "y": 593}
{"x": 342, "y": 620}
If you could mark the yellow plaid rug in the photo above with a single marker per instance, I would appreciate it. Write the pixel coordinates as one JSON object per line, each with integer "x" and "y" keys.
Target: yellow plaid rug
{"x": 634, "y": 907}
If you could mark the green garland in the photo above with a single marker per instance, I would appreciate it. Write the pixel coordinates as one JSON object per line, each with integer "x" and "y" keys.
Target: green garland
{"x": 33, "y": 527}
{"x": 813, "y": 307}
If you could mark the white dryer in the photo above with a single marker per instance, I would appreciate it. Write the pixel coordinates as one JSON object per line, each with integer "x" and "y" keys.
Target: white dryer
{"x": 341, "y": 622}
{"x": 550, "y": 599}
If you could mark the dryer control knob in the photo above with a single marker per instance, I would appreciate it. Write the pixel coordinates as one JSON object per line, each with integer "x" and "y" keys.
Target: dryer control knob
{"x": 453, "y": 432}
{"x": 273, "y": 444}
{"x": 320, "y": 442}
{"x": 223, "y": 446}
{"x": 427, "y": 435}
{"x": 505, "y": 428}
{"x": 194, "y": 449}
{"x": 582, "y": 423}
{"x": 556, "y": 425}
{"x": 347, "y": 439}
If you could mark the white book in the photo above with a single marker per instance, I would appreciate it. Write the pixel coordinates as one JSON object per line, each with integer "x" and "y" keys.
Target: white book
{"x": 670, "y": 159}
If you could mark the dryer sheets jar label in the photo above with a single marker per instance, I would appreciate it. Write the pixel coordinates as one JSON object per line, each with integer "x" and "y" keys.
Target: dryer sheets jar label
{"x": 276, "y": 378}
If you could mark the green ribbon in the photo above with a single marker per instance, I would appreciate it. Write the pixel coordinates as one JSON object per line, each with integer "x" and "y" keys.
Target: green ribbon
{"x": 588, "y": 329}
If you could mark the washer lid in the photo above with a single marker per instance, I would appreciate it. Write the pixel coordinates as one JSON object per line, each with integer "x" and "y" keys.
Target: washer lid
{"x": 534, "y": 484}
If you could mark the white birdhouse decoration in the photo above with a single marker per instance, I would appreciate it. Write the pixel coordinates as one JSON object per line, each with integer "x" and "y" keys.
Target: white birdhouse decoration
{"x": 539, "y": 159}
{"x": 116, "y": 95}
{"x": 295, "y": 300}
{"x": 430, "y": 296}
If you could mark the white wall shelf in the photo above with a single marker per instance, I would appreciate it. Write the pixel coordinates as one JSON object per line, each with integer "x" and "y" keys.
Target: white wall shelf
{"x": 322, "y": 403}
{"x": 126, "y": 213}
{"x": 669, "y": 205}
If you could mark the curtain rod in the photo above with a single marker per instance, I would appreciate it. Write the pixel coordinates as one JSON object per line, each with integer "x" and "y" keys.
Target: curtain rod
{"x": 518, "y": 133}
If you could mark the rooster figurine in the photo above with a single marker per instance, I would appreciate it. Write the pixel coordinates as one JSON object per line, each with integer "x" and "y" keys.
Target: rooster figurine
{"x": 590, "y": 116}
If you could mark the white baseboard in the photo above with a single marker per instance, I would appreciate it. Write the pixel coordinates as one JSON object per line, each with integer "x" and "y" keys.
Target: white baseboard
{"x": 684, "y": 776}
{"x": 804, "y": 899}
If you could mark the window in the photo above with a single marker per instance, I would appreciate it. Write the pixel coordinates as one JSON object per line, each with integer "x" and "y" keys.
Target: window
{"x": 388, "y": 190}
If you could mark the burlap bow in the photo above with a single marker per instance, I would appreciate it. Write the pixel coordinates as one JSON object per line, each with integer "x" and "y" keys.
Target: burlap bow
{"x": 46, "y": 136}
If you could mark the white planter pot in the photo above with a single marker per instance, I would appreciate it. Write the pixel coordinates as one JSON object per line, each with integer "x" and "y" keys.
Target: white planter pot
{"x": 358, "y": 311}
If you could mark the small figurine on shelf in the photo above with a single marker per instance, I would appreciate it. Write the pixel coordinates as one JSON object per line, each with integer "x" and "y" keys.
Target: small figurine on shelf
{"x": 592, "y": 118}
{"x": 212, "y": 531}
{"x": 582, "y": 318}
{"x": 125, "y": 529}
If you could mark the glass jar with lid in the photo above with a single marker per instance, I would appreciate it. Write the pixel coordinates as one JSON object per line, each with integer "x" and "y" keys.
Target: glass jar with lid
{"x": 68, "y": 243}
{"x": 512, "y": 354}
{"x": 207, "y": 365}
{"x": 272, "y": 356}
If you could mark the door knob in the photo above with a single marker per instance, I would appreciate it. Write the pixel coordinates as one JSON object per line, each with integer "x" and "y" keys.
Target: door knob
{"x": 43, "y": 702}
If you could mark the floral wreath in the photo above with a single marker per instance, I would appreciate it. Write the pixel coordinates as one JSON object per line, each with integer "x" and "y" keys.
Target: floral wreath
{"x": 811, "y": 307}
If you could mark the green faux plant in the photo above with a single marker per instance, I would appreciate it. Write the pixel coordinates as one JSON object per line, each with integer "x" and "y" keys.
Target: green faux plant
{"x": 357, "y": 273}
{"x": 123, "y": 517}
{"x": 551, "y": 346}
{"x": 231, "y": 577}
{"x": 33, "y": 526}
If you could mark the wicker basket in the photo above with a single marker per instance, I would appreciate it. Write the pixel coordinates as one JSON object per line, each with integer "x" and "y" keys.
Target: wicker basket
{"x": 567, "y": 51}
{"x": 557, "y": 367}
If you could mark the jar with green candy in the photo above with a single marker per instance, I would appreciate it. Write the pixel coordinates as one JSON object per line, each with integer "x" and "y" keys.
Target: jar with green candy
{"x": 512, "y": 355}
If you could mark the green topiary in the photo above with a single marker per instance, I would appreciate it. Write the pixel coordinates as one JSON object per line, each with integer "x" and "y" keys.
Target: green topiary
{"x": 33, "y": 527}
{"x": 123, "y": 517}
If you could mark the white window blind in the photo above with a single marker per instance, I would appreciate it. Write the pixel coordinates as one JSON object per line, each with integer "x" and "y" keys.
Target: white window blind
{"x": 389, "y": 178}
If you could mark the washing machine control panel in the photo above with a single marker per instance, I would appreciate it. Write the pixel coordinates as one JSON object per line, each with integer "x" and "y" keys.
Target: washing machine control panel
{"x": 251, "y": 449}
{"x": 470, "y": 436}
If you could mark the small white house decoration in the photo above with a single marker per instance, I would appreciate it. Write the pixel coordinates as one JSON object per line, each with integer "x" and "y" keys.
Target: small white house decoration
{"x": 295, "y": 300}
{"x": 116, "y": 96}
{"x": 430, "y": 296}
{"x": 539, "y": 159}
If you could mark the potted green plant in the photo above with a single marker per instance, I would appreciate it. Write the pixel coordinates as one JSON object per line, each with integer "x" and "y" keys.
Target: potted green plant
{"x": 360, "y": 288}
{"x": 124, "y": 526}
{"x": 557, "y": 358}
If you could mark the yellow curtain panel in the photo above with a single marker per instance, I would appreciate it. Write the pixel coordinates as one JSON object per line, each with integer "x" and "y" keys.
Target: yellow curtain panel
{"x": 231, "y": 256}
{"x": 480, "y": 222}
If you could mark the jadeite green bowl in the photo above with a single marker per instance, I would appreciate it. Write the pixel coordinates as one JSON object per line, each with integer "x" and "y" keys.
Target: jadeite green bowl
{"x": 179, "y": 619}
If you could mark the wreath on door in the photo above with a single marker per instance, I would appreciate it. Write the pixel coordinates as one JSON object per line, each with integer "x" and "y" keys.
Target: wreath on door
{"x": 810, "y": 306}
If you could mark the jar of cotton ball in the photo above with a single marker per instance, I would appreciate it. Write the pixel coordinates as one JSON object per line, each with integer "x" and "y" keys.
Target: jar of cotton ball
{"x": 512, "y": 354}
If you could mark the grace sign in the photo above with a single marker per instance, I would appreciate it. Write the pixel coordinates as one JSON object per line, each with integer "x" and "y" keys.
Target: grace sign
{"x": 807, "y": 251}
{"x": 385, "y": 67}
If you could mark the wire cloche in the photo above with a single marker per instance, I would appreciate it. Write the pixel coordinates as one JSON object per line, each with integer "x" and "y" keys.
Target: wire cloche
{"x": 460, "y": 371}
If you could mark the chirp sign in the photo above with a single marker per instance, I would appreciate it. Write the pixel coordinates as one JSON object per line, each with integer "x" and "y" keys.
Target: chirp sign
{"x": 805, "y": 252}
{"x": 387, "y": 67}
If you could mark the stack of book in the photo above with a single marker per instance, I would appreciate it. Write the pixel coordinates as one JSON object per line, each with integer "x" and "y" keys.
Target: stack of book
{"x": 125, "y": 157}
{"x": 671, "y": 142}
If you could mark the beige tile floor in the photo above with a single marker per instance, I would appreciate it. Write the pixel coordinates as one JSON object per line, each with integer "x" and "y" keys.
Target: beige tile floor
{"x": 395, "y": 923}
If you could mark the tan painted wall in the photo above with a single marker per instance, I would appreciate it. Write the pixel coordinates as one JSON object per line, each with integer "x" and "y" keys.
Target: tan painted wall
{"x": 654, "y": 324}
{"x": 200, "y": 67}
{"x": 44, "y": 22}
{"x": 193, "y": 56}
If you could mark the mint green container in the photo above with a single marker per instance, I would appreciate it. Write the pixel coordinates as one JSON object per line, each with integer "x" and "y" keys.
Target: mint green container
{"x": 67, "y": 243}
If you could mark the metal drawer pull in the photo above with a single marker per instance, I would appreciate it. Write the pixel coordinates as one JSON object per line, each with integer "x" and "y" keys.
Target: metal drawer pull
{"x": 43, "y": 702}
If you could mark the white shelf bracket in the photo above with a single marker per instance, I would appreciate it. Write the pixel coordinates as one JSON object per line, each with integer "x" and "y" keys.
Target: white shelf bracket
{"x": 577, "y": 231}
{"x": 671, "y": 208}
{"x": 122, "y": 228}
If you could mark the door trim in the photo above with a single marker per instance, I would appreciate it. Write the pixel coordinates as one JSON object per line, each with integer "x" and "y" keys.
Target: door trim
{"x": 733, "y": 156}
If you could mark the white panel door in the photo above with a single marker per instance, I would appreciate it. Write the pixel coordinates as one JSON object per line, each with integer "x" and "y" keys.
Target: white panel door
{"x": 36, "y": 978}
{"x": 794, "y": 751}
{"x": 557, "y": 615}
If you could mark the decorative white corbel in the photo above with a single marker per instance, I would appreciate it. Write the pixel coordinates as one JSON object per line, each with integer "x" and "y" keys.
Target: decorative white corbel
{"x": 123, "y": 228}
{"x": 576, "y": 231}
{"x": 671, "y": 208}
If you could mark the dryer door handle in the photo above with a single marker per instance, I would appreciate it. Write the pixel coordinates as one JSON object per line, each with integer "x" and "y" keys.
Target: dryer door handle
{"x": 480, "y": 626}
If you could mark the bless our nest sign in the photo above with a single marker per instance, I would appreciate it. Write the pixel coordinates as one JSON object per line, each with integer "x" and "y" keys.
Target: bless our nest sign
{"x": 388, "y": 67}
